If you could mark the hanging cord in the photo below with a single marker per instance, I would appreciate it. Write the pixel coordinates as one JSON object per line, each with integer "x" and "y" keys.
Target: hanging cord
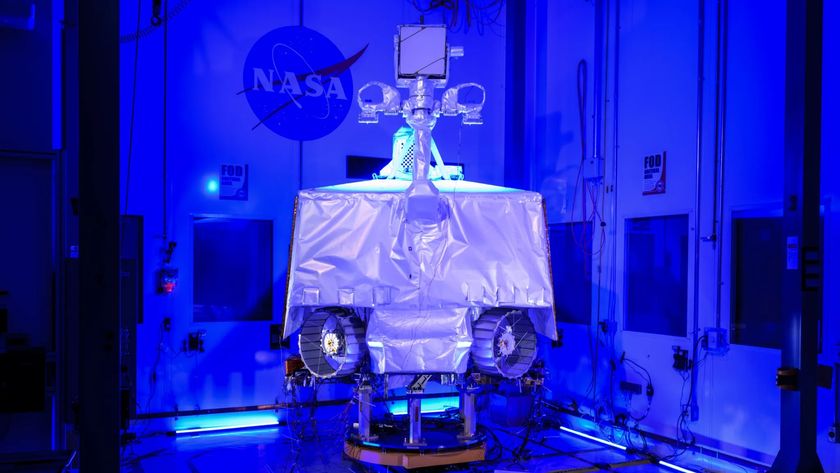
{"x": 534, "y": 414}
{"x": 600, "y": 198}
{"x": 165, "y": 72}
{"x": 133, "y": 108}
{"x": 461, "y": 15}
{"x": 140, "y": 34}
{"x": 128, "y": 168}
{"x": 581, "y": 96}
{"x": 613, "y": 187}
{"x": 583, "y": 239}
{"x": 613, "y": 209}
{"x": 686, "y": 440}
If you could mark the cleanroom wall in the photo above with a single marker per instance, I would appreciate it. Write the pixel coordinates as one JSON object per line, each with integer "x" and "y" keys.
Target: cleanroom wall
{"x": 651, "y": 106}
{"x": 189, "y": 130}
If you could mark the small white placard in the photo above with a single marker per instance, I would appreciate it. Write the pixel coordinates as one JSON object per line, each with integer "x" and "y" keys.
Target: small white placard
{"x": 792, "y": 252}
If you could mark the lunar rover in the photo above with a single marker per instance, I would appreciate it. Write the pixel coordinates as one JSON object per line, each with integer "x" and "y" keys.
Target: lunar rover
{"x": 418, "y": 273}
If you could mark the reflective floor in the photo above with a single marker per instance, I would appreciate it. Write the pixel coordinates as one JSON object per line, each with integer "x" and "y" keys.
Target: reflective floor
{"x": 276, "y": 450}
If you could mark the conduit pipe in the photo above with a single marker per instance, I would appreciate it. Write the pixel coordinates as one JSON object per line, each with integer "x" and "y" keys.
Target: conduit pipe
{"x": 695, "y": 335}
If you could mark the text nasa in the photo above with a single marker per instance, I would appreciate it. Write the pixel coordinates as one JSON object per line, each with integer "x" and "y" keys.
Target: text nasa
{"x": 313, "y": 83}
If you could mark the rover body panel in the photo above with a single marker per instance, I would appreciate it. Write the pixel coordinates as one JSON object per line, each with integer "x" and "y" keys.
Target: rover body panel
{"x": 419, "y": 286}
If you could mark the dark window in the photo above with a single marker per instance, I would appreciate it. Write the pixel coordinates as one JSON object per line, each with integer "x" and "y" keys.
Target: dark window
{"x": 656, "y": 274}
{"x": 362, "y": 167}
{"x": 131, "y": 270}
{"x": 571, "y": 269}
{"x": 232, "y": 269}
{"x": 758, "y": 266}
{"x": 758, "y": 262}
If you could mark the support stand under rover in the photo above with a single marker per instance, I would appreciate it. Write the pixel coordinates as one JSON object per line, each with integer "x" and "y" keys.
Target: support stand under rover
{"x": 422, "y": 63}
{"x": 433, "y": 444}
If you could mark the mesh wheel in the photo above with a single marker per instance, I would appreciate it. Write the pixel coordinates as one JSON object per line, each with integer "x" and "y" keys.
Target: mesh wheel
{"x": 332, "y": 342}
{"x": 505, "y": 342}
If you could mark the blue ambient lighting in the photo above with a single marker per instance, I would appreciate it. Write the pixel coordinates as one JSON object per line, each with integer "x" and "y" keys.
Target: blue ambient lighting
{"x": 228, "y": 427}
{"x": 427, "y": 406}
{"x": 622, "y": 447}
{"x": 398, "y": 185}
{"x": 675, "y": 467}
{"x": 212, "y": 185}
{"x": 219, "y": 422}
{"x": 594, "y": 439}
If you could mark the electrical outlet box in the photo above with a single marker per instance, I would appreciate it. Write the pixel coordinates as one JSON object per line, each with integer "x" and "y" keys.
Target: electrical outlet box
{"x": 715, "y": 341}
{"x": 194, "y": 342}
{"x": 621, "y": 417}
{"x": 681, "y": 361}
{"x": 593, "y": 168}
{"x": 694, "y": 412}
{"x": 608, "y": 327}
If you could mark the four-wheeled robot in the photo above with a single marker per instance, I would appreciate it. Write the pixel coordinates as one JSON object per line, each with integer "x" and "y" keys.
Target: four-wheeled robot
{"x": 417, "y": 275}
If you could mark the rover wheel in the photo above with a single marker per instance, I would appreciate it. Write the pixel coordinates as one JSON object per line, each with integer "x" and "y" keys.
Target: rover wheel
{"x": 332, "y": 342}
{"x": 505, "y": 342}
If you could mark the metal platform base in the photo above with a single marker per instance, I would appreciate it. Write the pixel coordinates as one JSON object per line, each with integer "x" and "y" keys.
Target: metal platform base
{"x": 443, "y": 443}
{"x": 413, "y": 459}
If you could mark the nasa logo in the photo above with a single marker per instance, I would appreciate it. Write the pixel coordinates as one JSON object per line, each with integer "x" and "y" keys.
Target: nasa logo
{"x": 298, "y": 83}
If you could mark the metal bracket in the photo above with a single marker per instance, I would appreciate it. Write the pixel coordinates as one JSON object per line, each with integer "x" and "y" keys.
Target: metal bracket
{"x": 787, "y": 378}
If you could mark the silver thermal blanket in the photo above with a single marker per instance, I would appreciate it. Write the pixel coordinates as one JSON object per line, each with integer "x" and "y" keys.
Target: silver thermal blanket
{"x": 420, "y": 286}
